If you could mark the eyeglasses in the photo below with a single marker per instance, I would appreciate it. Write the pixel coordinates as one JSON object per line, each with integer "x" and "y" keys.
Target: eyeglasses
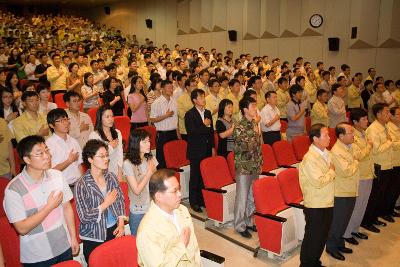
{"x": 105, "y": 156}
{"x": 176, "y": 191}
{"x": 41, "y": 154}
{"x": 62, "y": 120}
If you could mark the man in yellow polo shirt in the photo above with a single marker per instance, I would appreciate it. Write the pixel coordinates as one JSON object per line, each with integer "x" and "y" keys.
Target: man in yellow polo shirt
{"x": 235, "y": 97}
{"x": 394, "y": 189}
{"x": 346, "y": 189}
{"x": 31, "y": 122}
{"x": 362, "y": 152}
{"x": 57, "y": 76}
{"x": 213, "y": 99}
{"x": 185, "y": 103}
{"x": 382, "y": 153}
{"x": 317, "y": 174}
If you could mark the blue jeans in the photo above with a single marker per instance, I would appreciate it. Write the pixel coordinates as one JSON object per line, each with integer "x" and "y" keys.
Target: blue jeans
{"x": 134, "y": 221}
{"x": 65, "y": 256}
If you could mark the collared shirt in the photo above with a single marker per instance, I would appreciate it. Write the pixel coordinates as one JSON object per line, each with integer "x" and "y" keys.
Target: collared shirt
{"x": 337, "y": 111}
{"x": 283, "y": 100}
{"x": 24, "y": 197}
{"x": 159, "y": 107}
{"x": 171, "y": 217}
{"x": 247, "y": 147}
{"x": 75, "y": 127}
{"x": 267, "y": 114}
{"x": 323, "y": 153}
{"x": 319, "y": 113}
{"x": 237, "y": 115}
{"x": 362, "y": 153}
{"x": 201, "y": 112}
{"x": 382, "y": 148}
{"x": 26, "y": 125}
{"x": 212, "y": 103}
{"x": 60, "y": 150}
{"x": 394, "y": 132}
{"x": 57, "y": 82}
{"x": 184, "y": 104}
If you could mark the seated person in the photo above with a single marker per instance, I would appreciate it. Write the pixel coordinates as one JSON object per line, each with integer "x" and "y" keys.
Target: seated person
{"x": 45, "y": 105}
{"x": 99, "y": 199}
{"x": 166, "y": 233}
{"x": 37, "y": 203}
{"x": 65, "y": 150}
{"x": 31, "y": 122}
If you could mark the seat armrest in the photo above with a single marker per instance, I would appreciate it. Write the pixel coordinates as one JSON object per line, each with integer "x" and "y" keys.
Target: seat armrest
{"x": 272, "y": 217}
{"x": 268, "y": 174}
{"x": 296, "y": 205}
{"x": 211, "y": 256}
{"x": 216, "y": 190}
{"x": 287, "y": 166}
{"x": 176, "y": 169}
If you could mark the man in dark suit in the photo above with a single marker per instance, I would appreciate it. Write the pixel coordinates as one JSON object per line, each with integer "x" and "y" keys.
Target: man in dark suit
{"x": 200, "y": 145}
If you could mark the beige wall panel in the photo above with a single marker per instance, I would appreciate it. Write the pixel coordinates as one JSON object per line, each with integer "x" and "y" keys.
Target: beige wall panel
{"x": 251, "y": 19}
{"x": 269, "y": 18}
{"x": 288, "y": 49}
{"x": 206, "y": 15}
{"x": 269, "y": 47}
{"x": 311, "y": 49}
{"x": 219, "y": 41}
{"x": 387, "y": 62}
{"x": 195, "y": 16}
{"x": 290, "y": 14}
{"x": 183, "y": 15}
{"x": 219, "y": 13}
{"x": 309, "y": 8}
{"x": 251, "y": 46}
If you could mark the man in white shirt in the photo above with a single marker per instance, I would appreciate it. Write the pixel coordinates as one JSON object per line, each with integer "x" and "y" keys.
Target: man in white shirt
{"x": 164, "y": 115}
{"x": 336, "y": 106}
{"x": 30, "y": 68}
{"x": 80, "y": 123}
{"x": 270, "y": 119}
{"x": 180, "y": 86}
{"x": 66, "y": 154}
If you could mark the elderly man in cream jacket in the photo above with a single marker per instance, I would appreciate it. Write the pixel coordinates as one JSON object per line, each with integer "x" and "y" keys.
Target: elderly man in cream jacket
{"x": 317, "y": 174}
{"x": 346, "y": 189}
{"x": 166, "y": 235}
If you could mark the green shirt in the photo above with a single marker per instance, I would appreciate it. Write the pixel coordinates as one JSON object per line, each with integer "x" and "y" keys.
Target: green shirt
{"x": 247, "y": 147}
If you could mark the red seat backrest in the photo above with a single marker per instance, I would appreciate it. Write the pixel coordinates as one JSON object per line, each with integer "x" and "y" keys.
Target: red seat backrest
{"x": 300, "y": 143}
{"x": 284, "y": 153}
{"x": 70, "y": 263}
{"x": 17, "y": 161}
{"x": 92, "y": 114}
{"x": 124, "y": 187}
{"x": 216, "y": 141}
{"x": 284, "y": 126}
{"x": 267, "y": 196}
{"x": 3, "y": 184}
{"x": 76, "y": 218}
{"x": 123, "y": 123}
{"x": 9, "y": 241}
{"x": 307, "y": 122}
{"x": 58, "y": 99}
{"x": 175, "y": 154}
{"x": 153, "y": 134}
{"x": 269, "y": 161}
{"x": 230, "y": 159}
{"x": 121, "y": 252}
{"x": 215, "y": 172}
{"x": 332, "y": 137}
{"x": 290, "y": 186}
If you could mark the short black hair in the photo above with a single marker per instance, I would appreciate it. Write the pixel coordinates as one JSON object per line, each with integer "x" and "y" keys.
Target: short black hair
{"x": 245, "y": 103}
{"x": 320, "y": 92}
{"x": 90, "y": 149}
{"x": 212, "y": 81}
{"x": 269, "y": 94}
{"x": 221, "y": 107}
{"x": 25, "y": 146}
{"x": 368, "y": 82}
{"x": 340, "y": 78}
{"x": 294, "y": 89}
{"x": 388, "y": 82}
{"x": 282, "y": 80}
{"x": 55, "y": 114}
{"x": 41, "y": 87}
{"x": 334, "y": 87}
{"x": 393, "y": 110}
{"x": 377, "y": 108}
{"x": 339, "y": 129}
{"x": 315, "y": 131}
{"x": 233, "y": 81}
{"x": 196, "y": 93}
{"x": 298, "y": 79}
{"x": 376, "y": 85}
{"x": 249, "y": 92}
{"x": 67, "y": 96}
{"x": 357, "y": 113}
{"x": 27, "y": 94}
{"x": 156, "y": 183}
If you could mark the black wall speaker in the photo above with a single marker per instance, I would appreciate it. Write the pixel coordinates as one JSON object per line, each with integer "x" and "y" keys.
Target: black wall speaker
{"x": 149, "y": 23}
{"x": 107, "y": 10}
{"x": 333, "y": 44}
{"x": 353, "y": 32}
{"x": 232, "y": 35}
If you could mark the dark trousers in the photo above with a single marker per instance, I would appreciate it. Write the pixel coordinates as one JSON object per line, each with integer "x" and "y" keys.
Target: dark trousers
{"x": 376, "y": 199}
{"x": 342, "y": 211}
{"x": 318, "y": 222}
{"x": 195, "y": 184}
{"x": 135, "y": 125}
{"x": 89, "y": 246}
{"x": 65, "y": 256}
{"x": 163, "y": 137}
{"x": 184, "y": 137}
{"x": 393, "y": 191}
{"x": 271, "y": 137}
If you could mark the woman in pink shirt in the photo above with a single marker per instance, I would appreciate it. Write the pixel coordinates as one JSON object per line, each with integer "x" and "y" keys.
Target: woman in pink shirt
{"x": 137, "y": 102}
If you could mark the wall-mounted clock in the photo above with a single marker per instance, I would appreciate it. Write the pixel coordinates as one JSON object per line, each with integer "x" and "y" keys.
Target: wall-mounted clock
{"x": 316, "y": 20}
